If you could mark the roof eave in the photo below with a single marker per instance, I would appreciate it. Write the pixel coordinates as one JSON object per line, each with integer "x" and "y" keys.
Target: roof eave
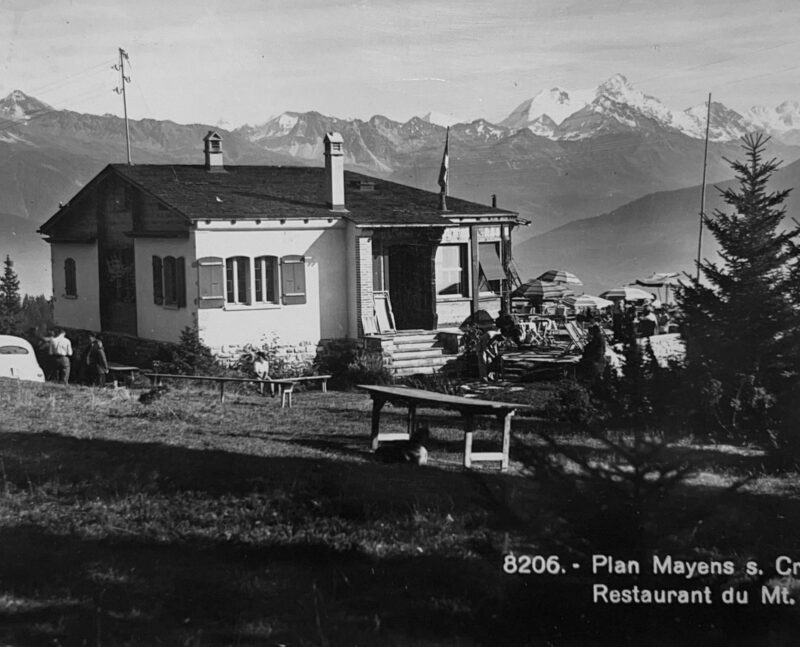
{"x": 63, "y": 210}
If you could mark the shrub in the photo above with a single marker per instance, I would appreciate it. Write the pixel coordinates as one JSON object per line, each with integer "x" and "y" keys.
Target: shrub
{"x": 367, "y": 368}
{"x": 190, "y": 357}
{"x": 572, "y": 403}
{"x": 435, "y": 382}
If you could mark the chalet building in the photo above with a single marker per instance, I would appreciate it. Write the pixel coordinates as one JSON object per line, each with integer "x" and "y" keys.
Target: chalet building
{"x": 305, "y": 254}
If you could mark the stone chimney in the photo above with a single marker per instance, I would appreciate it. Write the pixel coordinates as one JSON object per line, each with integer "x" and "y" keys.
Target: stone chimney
{"x": 213, "y": 152}
{"x": 334, "y": 171}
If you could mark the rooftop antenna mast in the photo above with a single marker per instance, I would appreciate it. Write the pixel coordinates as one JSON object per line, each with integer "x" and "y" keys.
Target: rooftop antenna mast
{"x": 123, "y": 56}
{"x": 703, "y": 191}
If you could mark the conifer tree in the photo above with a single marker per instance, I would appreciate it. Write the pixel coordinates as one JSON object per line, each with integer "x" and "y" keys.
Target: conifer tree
{"x": 741, "y": 321}
{"x": 10, "y": 303}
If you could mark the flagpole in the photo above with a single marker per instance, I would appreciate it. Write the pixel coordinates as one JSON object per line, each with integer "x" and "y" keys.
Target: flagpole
{"x": 444, "y": 173}
{"x": 703, "y": 191}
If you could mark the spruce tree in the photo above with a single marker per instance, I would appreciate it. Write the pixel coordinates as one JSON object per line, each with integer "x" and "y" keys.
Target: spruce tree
{"x": 10, "y": 303}
{"x": 741, "y": 319}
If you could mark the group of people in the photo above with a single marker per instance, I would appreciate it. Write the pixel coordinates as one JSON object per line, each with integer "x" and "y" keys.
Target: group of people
{"x": 56, "y": 356}
{"x": 630, "y": 321}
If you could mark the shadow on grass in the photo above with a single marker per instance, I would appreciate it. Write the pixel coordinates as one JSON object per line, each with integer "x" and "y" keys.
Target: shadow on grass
{"x": 70, "y": 591}
{"x": 263, "y": 550}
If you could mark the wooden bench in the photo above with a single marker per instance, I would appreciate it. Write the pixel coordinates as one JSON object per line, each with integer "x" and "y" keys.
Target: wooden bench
{"x": 467, "y": 407}
{"x": 285, "y": 385}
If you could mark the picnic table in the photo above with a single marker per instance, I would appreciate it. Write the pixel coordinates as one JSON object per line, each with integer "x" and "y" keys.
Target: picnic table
{"x": 127, "y": 373}
{"x": 285, "y": 385}
{"x": 467, "y": 407}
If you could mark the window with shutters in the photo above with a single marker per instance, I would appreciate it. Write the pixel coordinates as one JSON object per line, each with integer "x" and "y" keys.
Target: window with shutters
{"x": 70, "y": 278}
{"x": 237, "y": 280}
{"x": 169, "y": 281}
{"x": 293, "y": 280}
{"x": 266, "y": 279}
{"x": 210, "y": 282}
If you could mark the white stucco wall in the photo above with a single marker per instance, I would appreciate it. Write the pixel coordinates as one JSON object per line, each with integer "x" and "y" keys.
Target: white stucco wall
{"x": 82, "y": 311}
{"x": 159, "y": 322}
{"x": 352, "y": 292}
{"x": 324, "y": 314}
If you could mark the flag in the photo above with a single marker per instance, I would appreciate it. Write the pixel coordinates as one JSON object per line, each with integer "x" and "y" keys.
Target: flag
{"x": 444, "y": 172}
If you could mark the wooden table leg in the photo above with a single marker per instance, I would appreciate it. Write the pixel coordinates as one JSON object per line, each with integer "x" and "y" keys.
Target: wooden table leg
{"x": 412, "y": 419}
{"x": 506, "y": 438}
{"x": 221, "y": 391}
{"x": 324, "y": 386}
{"x": 377, "y": 405}
{"x": 469, "y": 426}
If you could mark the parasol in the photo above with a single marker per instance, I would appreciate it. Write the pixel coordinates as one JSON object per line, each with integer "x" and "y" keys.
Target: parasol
{"x": 560, "y": 276}
{"x": 544, "y": 290}
{"x": 627, "y": 293}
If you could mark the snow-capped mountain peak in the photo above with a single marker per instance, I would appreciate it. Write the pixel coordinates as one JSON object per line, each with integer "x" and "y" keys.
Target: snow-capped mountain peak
{"x": 557, "y": 104}
{"x": 725, "y": 124}
{"x": 18, "y": 106}
{"x": 618, "y": 89}
{"x": 277, "y": 126}
{"x": 616, "y": 104}
{"x": 615, "y": 86}
{"x": 784, "y": 117}
{"x": 442, "y": 119}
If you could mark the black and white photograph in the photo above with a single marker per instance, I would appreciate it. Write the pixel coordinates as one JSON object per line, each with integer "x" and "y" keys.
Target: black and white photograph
{"x": 368, "y": 323}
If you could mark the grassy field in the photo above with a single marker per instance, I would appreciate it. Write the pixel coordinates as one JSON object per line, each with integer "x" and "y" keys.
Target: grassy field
{"x": 190, "y": 522}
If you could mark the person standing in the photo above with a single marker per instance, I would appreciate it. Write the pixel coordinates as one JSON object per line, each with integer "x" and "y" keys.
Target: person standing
{"x": 648, "y": 324}
{"x": 96, "y": 361}
{"x": 45, "y": 359}
{"x": 61, "y": 351}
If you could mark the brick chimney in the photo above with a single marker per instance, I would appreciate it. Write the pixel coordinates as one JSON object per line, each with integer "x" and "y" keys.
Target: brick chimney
{"x": 213, "y": 152}
{"x": 334, "y": 171}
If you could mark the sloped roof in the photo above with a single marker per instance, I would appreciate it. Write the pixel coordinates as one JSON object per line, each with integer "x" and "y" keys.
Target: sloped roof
{"x": 273, "y": 192}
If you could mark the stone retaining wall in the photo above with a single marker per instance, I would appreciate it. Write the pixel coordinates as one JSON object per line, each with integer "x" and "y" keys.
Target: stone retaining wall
{"x": 294, "y": 359}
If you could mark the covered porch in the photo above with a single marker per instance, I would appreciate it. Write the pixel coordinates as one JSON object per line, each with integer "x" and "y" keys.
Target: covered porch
{"x": 416, "y": 286}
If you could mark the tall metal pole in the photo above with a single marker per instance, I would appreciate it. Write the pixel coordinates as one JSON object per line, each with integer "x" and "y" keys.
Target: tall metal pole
{"x": 703, "y": 191}
{"x": 123, "y": 55}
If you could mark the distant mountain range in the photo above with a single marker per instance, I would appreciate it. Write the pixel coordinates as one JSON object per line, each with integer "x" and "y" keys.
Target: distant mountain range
{"x": 558, "y": 157}
{"x": 616, "y": 106}
{"x": 656, "y": 233}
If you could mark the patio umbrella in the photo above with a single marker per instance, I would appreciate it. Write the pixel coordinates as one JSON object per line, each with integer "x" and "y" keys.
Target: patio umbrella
{"x": 587, "y": 301}
{"x": 664, "y": 280}
{"x": 560, "y": 276}
{"x": 543, "y": 290}
{"x": 628, "y": 293}
{"x": 660, "y": 279}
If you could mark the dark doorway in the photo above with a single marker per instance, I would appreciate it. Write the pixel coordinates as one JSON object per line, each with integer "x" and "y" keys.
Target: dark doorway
{"x": 118, "y": 291}
{"x": 411, "y": 286}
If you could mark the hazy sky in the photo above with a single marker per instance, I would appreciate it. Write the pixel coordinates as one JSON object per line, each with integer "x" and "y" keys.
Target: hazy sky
{"x": 243, "y": 61}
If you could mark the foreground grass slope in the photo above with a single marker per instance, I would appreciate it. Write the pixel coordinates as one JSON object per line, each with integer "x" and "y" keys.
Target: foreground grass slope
{"x": 190, "y": 522}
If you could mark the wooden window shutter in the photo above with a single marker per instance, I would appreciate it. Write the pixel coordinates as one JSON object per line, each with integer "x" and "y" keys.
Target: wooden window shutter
{"x": 210, "y": 282}
{"x": 158, "y": 285}
{"x": 180, "y": 281}
{"x": 170, "y": 298}
{"x": 293, "y": 280}
{"x": 70, "y": 278}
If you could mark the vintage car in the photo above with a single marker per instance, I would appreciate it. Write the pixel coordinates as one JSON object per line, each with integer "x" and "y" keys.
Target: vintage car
{"x": 18, "y": 360}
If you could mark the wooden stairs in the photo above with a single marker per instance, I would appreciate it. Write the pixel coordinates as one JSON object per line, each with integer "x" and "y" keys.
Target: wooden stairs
{"x": 418, "y": 352}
